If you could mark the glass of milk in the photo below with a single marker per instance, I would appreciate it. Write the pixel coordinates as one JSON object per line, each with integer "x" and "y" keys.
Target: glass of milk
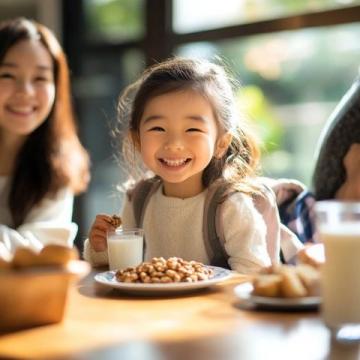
{"x": 338, "y": 226}
{"x": 125, "y": 248}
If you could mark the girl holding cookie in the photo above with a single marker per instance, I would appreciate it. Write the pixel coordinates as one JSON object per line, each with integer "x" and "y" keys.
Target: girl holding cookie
{"x": 42, "y": 163}
{"x": 183, "y": 127}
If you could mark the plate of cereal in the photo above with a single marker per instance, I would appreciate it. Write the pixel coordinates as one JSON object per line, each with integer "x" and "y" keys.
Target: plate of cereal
{"x": 158, "y": 276}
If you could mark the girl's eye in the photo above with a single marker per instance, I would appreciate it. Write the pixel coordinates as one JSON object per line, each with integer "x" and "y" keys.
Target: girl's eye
{"x": 193, "y": 129}
{"x": 156, "y": 128}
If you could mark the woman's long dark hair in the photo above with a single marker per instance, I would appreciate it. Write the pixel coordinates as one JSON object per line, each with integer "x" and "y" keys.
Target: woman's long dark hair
{"x": 52, "y": 156}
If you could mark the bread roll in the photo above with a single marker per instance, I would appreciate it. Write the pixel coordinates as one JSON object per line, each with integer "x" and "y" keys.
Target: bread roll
{"x": 4, "y": 265}
{"x": 310, "y": 277}
{"x": 291, "y": 285}
{"x": 287, "y": 281}
{"x": 56, "y": 255}
{"x": 24, "y": 257}
{"x": 267, "y": 285}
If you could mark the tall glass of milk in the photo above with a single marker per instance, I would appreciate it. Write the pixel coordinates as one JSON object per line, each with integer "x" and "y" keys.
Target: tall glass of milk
{"x": 125, "y": 248}
{"x": 338, "y": 225}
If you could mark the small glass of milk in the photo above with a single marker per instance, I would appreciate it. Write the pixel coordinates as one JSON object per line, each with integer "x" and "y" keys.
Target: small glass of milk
{"x": 338, "y": 226}
{"x": 125, "y": 248}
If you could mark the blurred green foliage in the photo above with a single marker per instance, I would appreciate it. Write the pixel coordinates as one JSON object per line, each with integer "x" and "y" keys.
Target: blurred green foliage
{"x": 114, "y": 19}
{"x": 252, "y": 100}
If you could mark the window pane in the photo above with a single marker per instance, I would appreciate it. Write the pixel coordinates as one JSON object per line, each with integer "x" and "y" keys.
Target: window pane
{"x": 197, "y": 15}
{"x": 291, "y": 83}
{"x": 97, "y": 95}
{"x": 114, "y": 20}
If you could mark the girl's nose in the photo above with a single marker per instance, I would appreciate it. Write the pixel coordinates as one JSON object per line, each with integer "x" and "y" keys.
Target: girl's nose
{"x": 174, "y": 144}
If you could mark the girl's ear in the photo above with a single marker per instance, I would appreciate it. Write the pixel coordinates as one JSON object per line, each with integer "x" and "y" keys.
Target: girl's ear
{"x": 222, "y": 145}
{"x": 135, "y": 139}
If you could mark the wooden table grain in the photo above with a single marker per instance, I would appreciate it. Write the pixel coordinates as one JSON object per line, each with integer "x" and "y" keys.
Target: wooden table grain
{"x": 102, "y": 323}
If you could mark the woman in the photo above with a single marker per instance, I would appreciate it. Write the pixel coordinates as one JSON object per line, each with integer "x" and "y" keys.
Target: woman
{"x": 42, "y": 163}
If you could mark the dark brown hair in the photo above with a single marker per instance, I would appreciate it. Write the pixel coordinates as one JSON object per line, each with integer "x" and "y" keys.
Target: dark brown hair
{"x": 52, "y": 156}
{"x": 239, "y": 164}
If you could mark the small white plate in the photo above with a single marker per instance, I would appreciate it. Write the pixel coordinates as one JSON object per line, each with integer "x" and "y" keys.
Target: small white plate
{"x": 108, "y": 278}
{"x": 244, "y": 292}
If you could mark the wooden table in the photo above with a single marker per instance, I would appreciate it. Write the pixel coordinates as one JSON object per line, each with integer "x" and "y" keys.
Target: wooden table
{"x": 101, "y": 323}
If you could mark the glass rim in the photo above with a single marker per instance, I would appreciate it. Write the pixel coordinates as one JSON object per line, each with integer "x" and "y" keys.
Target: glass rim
{"x": 126, "y": 231}
{"x": 339, "y": 205}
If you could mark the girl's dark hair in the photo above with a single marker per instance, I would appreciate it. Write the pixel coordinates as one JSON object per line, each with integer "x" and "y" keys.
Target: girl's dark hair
{"x": 239, "y": 164}
{"x": 52, "y": 156}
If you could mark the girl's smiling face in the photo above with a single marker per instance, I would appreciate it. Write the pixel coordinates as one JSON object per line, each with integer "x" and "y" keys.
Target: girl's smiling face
{"x": 27, "y": 88}
{"x": 178, "y": 137}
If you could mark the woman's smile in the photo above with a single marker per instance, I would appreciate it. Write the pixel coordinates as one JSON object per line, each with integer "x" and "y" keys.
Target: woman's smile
{"x": 21, "y": 110}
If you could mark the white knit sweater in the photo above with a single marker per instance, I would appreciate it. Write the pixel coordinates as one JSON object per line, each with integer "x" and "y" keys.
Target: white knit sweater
{"x": 173, "y": 227}
{"x": 49, "y": 222}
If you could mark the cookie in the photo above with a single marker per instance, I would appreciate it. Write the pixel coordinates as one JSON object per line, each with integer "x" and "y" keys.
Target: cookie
{"x": 115, "y": 221}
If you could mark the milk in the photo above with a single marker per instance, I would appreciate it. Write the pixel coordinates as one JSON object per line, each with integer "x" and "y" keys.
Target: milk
{"x": 125, "y": 249}
{"x": 341, "y": 274}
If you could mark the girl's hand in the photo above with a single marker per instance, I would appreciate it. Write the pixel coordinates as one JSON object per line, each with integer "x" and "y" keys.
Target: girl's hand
{"x": 312, "y": 254}
{"x": 100, "y": 227}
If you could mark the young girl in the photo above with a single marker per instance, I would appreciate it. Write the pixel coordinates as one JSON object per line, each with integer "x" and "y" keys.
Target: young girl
{"x": 42, "y": 163}
{"x": 182, "y": 121}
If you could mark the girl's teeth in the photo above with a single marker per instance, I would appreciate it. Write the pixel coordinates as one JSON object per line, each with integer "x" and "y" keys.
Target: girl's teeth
{"x": 174, "y": 162}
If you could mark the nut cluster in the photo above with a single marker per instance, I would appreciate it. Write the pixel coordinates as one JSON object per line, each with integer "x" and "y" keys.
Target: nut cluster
{"x": 159, "y": 270}
{"x": 115, "y": 221}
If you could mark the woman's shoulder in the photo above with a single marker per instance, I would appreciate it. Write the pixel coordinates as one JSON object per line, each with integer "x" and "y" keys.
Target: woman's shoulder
{"x": 64, "y": 192}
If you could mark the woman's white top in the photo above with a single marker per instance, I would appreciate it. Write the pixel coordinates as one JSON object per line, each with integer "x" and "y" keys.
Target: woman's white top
{"x": 173, "y": 227}
{"x": 47, "y": 223}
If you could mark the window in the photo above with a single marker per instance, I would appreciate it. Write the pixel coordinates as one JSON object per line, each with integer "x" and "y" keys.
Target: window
{"x": 287, "y": 87}
{"x": 190, "y": 15}
{"x": 294, "y": 59}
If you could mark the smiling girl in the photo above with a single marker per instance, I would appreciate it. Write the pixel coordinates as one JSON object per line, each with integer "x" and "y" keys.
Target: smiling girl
{"x": 182, "y": 121}
{"x": 42, "y": 163}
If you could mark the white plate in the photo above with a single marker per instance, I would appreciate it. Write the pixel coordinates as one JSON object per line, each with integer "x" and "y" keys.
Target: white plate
{"x": 108, "y": 278}
{"x": 243, "y": 292}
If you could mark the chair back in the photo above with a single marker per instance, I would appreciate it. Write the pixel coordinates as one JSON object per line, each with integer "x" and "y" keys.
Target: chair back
{"x": 341, "y": 130}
